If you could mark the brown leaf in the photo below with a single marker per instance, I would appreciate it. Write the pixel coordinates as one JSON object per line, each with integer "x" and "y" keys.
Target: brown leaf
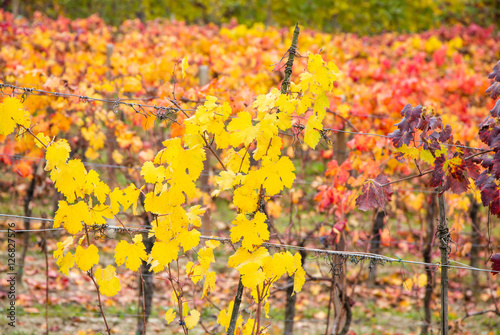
{"x": 373, "y": 194}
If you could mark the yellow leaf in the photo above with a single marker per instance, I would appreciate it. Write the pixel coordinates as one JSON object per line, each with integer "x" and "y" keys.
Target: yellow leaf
{"x": 242, "y": 130}
{"x": 57, "y": 152}
{"x": 421, "y": 280}
{"x": 91, "y": 180}
{"x": 13, "y": 113}
{"x": 134, "y": 253}
{"x": 278, "y": 175}
{"x": 69, "y": 179}
{"x": 252, "y": 275}
{"x": 311, "y": 134}
{"x": 192, "y": 320}
{"x": 270, "y": 148}
{"x": 253, "y": 232}
{"x": 188, "y": 239}
{"x": 99, "y": 213}
{"x": 321, "y": 103}
{"x": 205, "y": 257}
{"x": 225, "y": 180}
{"x": 152, "y": 174}
{"x": 185, "y": 309}
{"x": 43, "y": 139}
{"x": 246, "y": 198}
{"x": 194, "y": 215}
{"x": 173, "y": 296}
{"x": 170, "y": 315}
{"x": 427, "y": 157}
{"x": 109, "y": 283}
{"x": 299, "y": 279}
{"x": 130, "y": 197}
{"x": 101, "y": 190}
{"x": 194, "y": 272}
{"x": 164, "y": 253}
{"x": 287, "y": 105}
{"x": 242, "y": 257}
{"x": 265, "y": 102}
{"x": 304, "y": 104}
{"x": 62, "y": 247}
{"x": 209, "y": 284}
{"x": 212, "y": 244}
{"x": 408, "y": 152}
{"x": 161, "y": 204}
{"x": 86, "y": 258}
{"x": 65, "y": 263}
{"x": 224, "y": 316}
{"x": 237, "y": 160}
{"x": 451, "y": 163}
{"x": 408, "y": 284}
{"x": 248, "y": 329}
{"x": 277, "y": 265}
{"x": 126, "y": 197}
{"x": 72, "y": 216}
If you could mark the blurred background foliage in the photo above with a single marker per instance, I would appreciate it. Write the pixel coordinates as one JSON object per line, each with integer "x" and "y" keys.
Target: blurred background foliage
{"x": 363, "y": 17}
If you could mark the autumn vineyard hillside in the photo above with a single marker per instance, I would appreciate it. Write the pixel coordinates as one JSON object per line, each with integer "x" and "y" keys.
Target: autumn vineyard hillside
{"x": 160, "y": 177}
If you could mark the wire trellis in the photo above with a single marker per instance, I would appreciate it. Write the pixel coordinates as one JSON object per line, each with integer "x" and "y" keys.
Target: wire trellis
{"x": 143, "y": 109}
{"x": 114, "y": 166}
{"x": 162, "y": 112}
{"x": 352, "y": 257}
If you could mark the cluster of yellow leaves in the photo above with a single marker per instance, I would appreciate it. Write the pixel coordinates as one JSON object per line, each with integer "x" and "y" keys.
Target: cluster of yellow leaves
{"x": 259, "y": 270}
{"x": 258, "y": 136}
{"x": 173, "y": 174}
{"x": 81, "y": 189}
{"x": 190, "y": 318}
{"x": 224, "y": 319}
{"x": 199, "y": 270}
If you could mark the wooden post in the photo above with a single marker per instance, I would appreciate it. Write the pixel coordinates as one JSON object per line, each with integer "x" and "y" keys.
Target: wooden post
{"x": 427, "y": 254}
{"x": 291, "y": 298}
{"x": 444, "y": 237}
{"x": 206, "y": 226}
{"x": 378, "y": 225}
{"x": 476, "y": 241}
{"x": 203, "y": 75}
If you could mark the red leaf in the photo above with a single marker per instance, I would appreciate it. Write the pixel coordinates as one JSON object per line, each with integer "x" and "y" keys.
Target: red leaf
{"x": 373, "y": 194}
{"x": 494, "y": 89}
{"x": 495, "y": 259}
{"x": 406, "y": 127}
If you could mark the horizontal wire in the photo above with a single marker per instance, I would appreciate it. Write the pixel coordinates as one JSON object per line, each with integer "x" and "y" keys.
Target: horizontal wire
{"x": 39, "y": 159}
{"x": 297, "y": 181}
{"x": 136, "y": 228}
{"x": 83, "y": 98}
{"x": 355, "y": 256}
{"x": 214, "y": 317}
{"x": 388, "y": 137}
